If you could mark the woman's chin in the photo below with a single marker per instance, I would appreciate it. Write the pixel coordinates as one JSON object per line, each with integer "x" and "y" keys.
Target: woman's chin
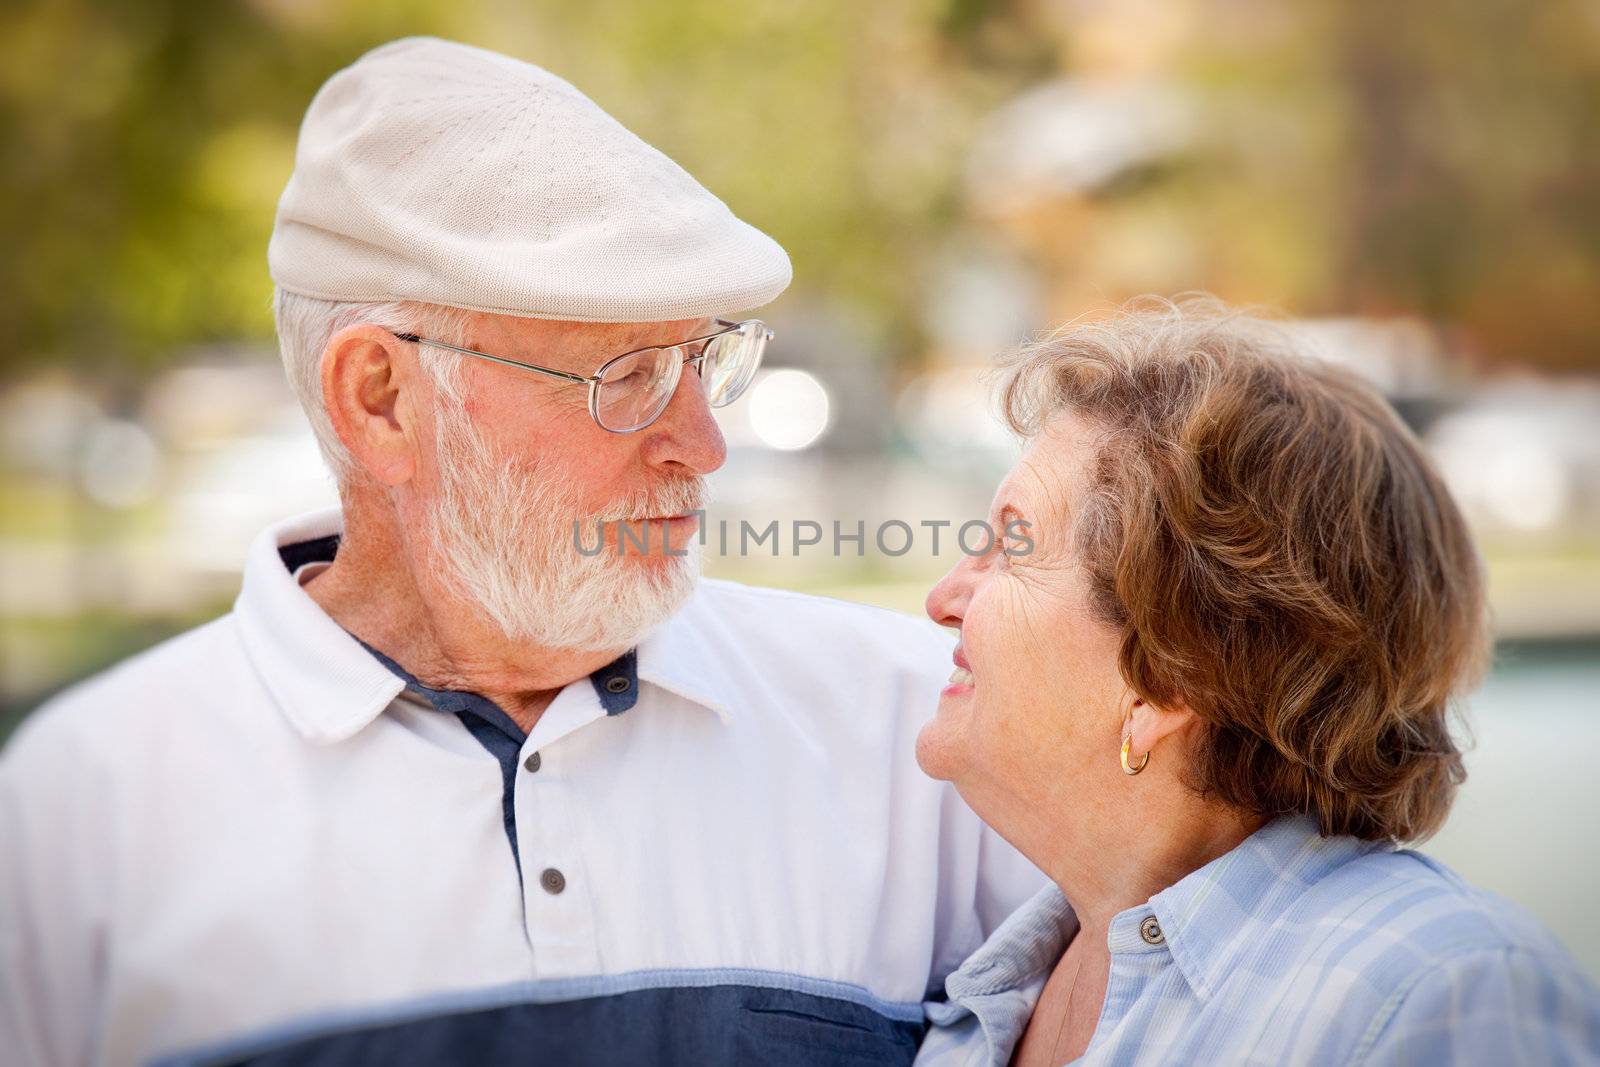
{"x": 938, "y": 749}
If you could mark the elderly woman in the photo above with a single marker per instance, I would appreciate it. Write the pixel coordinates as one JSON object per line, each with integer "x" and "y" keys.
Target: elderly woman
{"x": 1207, "y": 693}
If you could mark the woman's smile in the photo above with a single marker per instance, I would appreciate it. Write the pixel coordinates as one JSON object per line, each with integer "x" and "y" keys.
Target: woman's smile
{"x": 961, "y": 680}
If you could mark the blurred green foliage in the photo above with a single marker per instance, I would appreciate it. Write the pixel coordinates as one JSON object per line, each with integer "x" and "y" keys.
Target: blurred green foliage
{"x": 1434, "y": 157}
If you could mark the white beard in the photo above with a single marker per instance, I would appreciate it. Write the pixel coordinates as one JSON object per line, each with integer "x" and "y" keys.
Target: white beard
{"x": 506, "y": 543}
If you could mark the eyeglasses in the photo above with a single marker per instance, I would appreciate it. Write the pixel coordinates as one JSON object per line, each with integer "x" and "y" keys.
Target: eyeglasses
{"x": 630, "y": 391}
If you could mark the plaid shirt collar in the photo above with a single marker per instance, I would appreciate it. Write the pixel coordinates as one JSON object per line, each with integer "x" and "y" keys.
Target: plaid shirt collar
{"x": 1197, "y": 920}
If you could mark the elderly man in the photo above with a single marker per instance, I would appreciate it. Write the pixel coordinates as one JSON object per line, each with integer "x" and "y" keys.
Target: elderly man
{"x": 442, "y": 788}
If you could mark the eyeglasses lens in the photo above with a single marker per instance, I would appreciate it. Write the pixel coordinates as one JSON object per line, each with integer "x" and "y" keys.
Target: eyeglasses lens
{"x": 636, "y": 389}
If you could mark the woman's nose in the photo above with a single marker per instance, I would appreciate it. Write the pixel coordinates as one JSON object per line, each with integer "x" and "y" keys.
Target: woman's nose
{"x": 947, "y": 601}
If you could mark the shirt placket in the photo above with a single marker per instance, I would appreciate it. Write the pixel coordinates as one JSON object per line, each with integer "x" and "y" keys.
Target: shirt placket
{"x": 558, "y": 894}
{"x": 1138, "y": 954}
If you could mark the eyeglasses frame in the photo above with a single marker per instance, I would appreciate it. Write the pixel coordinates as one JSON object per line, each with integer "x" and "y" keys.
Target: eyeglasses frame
{"x": 595, "y": 380}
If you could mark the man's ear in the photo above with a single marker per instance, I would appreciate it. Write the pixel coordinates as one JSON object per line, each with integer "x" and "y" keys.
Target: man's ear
{"x": 369, "y": 385}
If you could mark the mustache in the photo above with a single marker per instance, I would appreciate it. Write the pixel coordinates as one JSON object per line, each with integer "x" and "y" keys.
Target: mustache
{"x": 676, "y": 497}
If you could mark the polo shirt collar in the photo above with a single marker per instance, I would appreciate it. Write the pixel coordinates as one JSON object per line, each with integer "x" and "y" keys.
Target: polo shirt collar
{"x": 325, "y": 682}
{"x": 674, "y": 657}
{"x": 330, "y": 687}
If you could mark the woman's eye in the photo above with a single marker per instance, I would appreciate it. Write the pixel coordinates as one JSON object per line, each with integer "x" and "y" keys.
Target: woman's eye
{"x": 1015, "y": 539}
{"x": 997, "y": 550}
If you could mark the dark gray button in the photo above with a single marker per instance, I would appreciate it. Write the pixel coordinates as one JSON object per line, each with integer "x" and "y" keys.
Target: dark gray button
{"x": 532, "y": 762}
{"x": 1150, "y": 930}
{"x": 618, "y": 685}
{"x": 553, "y": 880}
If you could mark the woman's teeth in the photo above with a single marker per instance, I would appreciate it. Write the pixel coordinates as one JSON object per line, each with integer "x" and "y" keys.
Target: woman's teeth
{"x": 960, "y": 676}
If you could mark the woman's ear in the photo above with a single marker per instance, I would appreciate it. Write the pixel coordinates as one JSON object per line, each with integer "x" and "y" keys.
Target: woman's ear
{"x": 368, "y": 381}
{"x": 1150, "y": 725}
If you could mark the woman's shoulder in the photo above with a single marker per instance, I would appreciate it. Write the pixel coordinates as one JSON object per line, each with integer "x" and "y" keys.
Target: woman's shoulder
{"x": 1424, "y": 909}
{"x": 1383, "y": 955}
{"x": 1412, "y": 942}
{"x": 1447, "y": 972}
{"x": 1293, "y": 905}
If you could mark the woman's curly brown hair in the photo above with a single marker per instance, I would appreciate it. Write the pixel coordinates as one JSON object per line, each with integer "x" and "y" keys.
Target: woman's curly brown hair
{"x": 1278, "y": 553}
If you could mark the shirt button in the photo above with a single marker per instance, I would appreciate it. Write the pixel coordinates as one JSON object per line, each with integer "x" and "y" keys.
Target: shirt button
{"x": 553, "y": 881}
{"x": 618, "y": 684}
{"x": 1150, "y": 930}
{"x": 532, "y": 762}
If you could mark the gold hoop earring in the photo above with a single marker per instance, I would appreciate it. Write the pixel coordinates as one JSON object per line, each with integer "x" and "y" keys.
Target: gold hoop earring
{"x": 1127, "y": 750}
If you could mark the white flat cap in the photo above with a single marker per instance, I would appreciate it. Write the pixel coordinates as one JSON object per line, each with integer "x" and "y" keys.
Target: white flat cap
{"x": 433, "y": 171}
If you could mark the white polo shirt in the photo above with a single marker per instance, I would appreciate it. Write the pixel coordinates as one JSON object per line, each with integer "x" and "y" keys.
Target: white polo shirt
{"x": 256, "y": 843}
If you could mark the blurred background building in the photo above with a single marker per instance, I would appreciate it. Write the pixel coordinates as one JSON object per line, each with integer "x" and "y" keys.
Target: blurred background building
{"x": 1416, "y": 187}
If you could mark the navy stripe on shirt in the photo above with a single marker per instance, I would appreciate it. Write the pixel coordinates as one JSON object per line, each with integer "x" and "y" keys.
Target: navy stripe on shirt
{"x": 692, "y": 1026}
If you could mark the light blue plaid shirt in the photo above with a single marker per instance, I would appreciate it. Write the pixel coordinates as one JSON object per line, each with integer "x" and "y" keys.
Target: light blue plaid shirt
{"x": 1292, "y": 949}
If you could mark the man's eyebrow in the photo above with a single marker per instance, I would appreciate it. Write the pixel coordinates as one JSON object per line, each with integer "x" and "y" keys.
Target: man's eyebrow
{"x": 660, "y": 334}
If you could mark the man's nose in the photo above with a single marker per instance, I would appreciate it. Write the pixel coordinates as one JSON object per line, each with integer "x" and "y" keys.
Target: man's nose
{"x": 686, "y": 435}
